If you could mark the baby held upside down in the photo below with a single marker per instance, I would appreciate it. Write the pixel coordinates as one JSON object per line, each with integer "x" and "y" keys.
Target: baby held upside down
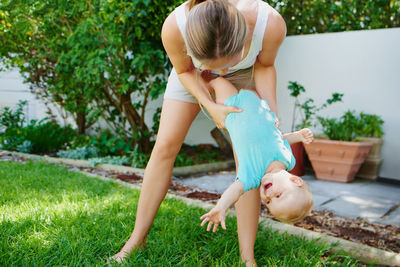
{"x": 263, "y": 156}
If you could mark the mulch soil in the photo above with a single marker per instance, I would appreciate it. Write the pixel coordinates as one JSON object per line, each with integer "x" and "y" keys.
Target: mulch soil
{"x": 386, "y": 237}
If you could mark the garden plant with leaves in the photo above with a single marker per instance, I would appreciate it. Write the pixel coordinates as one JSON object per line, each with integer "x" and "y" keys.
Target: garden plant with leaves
{"x": 306, "y": 112}
{"x": 351, "y": 125}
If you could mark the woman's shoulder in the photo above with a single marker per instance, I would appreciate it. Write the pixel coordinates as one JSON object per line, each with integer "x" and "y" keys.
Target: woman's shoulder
{"x": 274, "y": 34}
{"x": 170, "y": 33}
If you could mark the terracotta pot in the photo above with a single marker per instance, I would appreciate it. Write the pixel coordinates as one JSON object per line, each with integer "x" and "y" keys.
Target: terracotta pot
{"x": 376, "y": 147}
{"x": 298, "y": 153}
{"x": 337, "y": 160}
{"x": 372, "y": 164}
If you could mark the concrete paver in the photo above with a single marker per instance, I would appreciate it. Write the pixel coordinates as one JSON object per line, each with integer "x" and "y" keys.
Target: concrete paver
{"x": 393, "y": 218}
{"x": 361, "y": 198}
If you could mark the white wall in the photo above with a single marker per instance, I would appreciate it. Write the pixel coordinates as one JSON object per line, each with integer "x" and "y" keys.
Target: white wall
{"x": 12, "y": 90}
{"x": 364, "y": 65}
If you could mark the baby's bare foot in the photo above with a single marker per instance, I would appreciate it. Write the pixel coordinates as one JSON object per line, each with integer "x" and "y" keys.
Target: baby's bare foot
{"x": 306, "y": 135}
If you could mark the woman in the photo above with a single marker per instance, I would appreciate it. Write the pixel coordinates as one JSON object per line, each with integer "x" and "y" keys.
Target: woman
{"x": 237, "y": 39}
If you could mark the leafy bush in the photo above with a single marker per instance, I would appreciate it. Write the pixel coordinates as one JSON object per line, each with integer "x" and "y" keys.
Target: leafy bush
{"x": 25, "y": 147}
{"x": 110, "y": 144}
{"x": 10, "y": 118}
{"x": 114, "y": 160}
{"x": 183, "y": 160}
{"x": 317, "y": 16}
{"x": 139, "y": 159}
{"x": 79, "y": 153}
{"x": 47, "y": 136}
{"x": 12, "y": 138}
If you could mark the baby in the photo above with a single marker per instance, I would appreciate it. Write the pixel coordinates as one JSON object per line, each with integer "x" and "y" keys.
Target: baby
{"x": 263, "y": 157}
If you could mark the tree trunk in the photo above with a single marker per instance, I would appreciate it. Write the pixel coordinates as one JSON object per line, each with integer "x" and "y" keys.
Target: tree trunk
{"x": 134, "y": 120}
{"x": 222, "y": 142}
{"x": 81, "y": 122}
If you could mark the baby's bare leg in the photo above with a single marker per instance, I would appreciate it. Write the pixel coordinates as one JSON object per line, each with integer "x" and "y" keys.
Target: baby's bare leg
{"x": 223, "y": 89}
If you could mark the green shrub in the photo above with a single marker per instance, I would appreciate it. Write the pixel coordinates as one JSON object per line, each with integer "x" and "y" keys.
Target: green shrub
{"x": 111, "y": 144}
{"x": 79, "y": 153}
{"x": 139, "y": 159}
{"x": 12, "y": 138}
{"x": 47, "y": 136}
{"x": 183, "y": 160}
{"x": 25, "y": 147}
{"x": 318, "y": 16}
{"x": 114, "y": 160}
{"x": 10, "y": 118}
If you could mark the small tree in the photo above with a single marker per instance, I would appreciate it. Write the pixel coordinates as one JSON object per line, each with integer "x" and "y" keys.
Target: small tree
{"x": 98, "y": 58}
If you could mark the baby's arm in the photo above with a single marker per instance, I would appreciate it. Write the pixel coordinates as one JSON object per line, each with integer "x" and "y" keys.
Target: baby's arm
{"x": 304, "y": 135}
{"x": 217, "y": 214}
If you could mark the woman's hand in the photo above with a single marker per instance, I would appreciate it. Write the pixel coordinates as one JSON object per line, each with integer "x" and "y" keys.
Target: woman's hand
{"x": 216, "y": 216}
{"x": 219, "y": 112}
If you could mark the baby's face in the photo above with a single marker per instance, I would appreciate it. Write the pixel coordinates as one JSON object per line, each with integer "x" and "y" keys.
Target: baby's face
{"x": 285, "y": 194}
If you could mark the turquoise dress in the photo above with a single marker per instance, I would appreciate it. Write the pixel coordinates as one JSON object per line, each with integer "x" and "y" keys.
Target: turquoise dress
{"x": 256, "y": 140}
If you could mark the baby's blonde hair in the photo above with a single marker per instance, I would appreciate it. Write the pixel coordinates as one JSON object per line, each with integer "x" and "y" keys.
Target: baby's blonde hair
{"x": 214, "y": 29}
{"x": 299, "y": 214}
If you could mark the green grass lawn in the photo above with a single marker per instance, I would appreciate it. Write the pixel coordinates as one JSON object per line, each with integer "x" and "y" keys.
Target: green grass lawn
{"x": 52, "y": 216}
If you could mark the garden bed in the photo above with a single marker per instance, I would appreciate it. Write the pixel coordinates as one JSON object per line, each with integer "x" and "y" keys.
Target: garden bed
{"x": 386, "y": 237}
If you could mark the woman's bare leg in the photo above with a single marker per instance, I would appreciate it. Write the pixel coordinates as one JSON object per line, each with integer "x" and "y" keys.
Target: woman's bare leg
{"x": 248, "y": 213}
{"x": 248, "y": 206}
{"x": 176, "y": 118}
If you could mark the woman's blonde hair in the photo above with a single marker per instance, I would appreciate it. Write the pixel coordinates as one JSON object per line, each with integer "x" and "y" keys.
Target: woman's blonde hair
{"x": 214, "y": 29}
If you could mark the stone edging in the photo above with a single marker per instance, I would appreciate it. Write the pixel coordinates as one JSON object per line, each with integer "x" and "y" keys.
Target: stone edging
{"x": 178, "y": 171}
{"x": 363, "y": 253}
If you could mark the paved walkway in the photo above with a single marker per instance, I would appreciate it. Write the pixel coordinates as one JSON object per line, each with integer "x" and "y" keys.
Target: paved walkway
{"x": 361, "y": 198}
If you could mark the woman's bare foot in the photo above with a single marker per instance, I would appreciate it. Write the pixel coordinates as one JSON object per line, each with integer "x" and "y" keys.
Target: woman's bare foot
{"x": 119, "y": 257}
{"x": 124, "y": 254}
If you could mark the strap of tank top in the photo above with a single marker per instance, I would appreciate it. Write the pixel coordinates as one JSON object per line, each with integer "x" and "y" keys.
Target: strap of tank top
{"x": 261, "y": 25}
{"x": 181, "y": 18}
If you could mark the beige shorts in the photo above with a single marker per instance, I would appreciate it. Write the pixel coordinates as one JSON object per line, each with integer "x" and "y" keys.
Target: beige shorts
{"x": 175, "y": 90}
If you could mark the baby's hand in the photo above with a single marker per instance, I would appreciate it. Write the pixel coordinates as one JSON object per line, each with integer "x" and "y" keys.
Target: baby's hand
{"x": 306, "y": 135}
{"x": 215, "y": 216}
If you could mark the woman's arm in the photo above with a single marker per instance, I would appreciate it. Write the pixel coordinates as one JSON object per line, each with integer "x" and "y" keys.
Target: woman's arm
{"x": 264, "y": 68}
{"x": 188, "y": 75}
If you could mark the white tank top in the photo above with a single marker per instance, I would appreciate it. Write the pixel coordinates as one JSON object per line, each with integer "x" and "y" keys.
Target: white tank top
{"x": 256, "y": 41}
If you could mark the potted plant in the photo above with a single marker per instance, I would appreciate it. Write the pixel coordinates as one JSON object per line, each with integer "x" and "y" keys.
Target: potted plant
{"x": 371, "y": 131}
{"x": 304, "y": 116}
{"x": 340, "y": 157}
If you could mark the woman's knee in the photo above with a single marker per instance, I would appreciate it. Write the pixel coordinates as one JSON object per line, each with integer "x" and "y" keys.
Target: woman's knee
{"x": 166, "y": 149}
